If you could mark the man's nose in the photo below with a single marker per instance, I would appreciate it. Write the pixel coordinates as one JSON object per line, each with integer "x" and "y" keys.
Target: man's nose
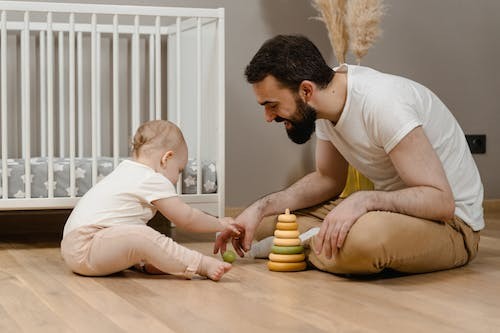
{"x": 269, "y": 115}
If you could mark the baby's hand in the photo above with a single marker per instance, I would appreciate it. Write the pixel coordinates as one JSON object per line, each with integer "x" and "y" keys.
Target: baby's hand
{"x": 228, "y": 224}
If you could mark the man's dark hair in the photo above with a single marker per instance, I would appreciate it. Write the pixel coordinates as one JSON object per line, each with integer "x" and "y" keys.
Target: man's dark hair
{"x": 291, "y": 59}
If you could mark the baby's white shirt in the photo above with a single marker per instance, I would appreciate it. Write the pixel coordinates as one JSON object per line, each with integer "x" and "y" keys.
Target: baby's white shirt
{"x": 122, "y": 197}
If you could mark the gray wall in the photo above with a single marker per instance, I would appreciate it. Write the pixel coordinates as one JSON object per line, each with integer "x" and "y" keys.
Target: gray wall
{"x": 259, "y": 156}
{"x": 451, "y": 46}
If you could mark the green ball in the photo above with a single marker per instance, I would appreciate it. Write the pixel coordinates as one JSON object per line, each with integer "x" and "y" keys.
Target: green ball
{"x": 229, "y": 256}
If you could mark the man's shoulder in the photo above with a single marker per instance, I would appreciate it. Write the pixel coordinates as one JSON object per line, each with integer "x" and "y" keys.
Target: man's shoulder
{"x": 377, "y": 88}
{"x": 324, "y": 124}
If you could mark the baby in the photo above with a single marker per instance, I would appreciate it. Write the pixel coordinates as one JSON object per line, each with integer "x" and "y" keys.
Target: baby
{"x": 107, "y": 232}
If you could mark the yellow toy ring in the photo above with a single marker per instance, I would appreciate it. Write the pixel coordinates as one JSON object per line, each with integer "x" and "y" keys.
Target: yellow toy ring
{"x": 286, "y": 241}
{"x": 286, "y": 266}
{"x": 287, "y": 217}
{"x": 287, "y": 257}
{"x": 286, "y": 233}
{"x": 287, "y": 226}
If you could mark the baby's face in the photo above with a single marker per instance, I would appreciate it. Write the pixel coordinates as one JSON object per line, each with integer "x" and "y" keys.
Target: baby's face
{"x": 176, "y": 164}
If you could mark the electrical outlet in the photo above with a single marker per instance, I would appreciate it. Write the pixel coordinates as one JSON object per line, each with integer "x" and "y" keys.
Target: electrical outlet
{"x": 477, "y": 143}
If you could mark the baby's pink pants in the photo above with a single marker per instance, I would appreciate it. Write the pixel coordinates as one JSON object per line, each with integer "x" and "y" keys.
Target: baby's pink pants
{"x": 96, "y": 251}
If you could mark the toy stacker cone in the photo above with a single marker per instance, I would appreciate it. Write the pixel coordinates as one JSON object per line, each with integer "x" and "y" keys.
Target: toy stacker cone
{"x": 287, "y": 255}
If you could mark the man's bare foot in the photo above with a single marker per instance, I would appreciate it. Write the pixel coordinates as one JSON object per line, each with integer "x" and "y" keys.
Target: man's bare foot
{"x": 306, "y": 237}
{"x": 262, "y": 248}
{"x": 212, "y": 268}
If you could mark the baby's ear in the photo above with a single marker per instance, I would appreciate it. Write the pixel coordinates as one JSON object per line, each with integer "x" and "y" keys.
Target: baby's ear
{"x": 166, "y": 156}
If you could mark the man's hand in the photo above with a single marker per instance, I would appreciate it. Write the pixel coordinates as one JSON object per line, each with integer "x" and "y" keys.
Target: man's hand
{"x": 250, "y": 218}
{"x": 338, "y": 222}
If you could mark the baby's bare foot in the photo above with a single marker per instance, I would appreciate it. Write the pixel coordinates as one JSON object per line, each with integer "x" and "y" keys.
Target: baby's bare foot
{"x": 212, "y": 268}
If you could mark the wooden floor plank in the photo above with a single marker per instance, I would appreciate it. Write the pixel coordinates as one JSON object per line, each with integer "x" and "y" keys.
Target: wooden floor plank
{"x": 203, "y": 305}
{"x": 341, "y": 300}
{"x": 103, "y": 300}
{"x": 73, "y": 312}
{"x": 7, "y": 323}
{"x": 23, "y": 305}
{"x": 38, "y": 293}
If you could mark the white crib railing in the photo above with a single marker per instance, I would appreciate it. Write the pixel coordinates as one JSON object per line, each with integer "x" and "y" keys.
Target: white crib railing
{"x": 75, "y": 22}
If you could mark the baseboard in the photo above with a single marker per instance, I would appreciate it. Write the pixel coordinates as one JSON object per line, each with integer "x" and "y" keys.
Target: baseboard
{"x": 233, "y": 211}
{"x": 491, "y": 206}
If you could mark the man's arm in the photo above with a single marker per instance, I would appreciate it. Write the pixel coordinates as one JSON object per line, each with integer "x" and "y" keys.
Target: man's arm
{"x": 325, "y": 182}
{"x": 428, "y": 194}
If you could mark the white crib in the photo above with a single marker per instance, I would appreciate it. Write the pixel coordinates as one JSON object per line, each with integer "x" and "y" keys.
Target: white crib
{"x": 76, "y": 80}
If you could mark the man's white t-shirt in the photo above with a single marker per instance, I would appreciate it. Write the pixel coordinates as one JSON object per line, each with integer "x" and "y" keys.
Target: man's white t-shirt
{"x": 122, "y": 197}
{"x": 380, "y": 110}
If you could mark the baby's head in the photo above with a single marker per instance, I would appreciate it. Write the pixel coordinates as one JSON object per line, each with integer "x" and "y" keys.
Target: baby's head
{"x": 161, "y": 145}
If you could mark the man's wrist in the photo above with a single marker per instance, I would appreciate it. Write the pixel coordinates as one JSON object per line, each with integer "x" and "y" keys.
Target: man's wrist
{"x": 370, "y": 200}
{"x": 262, "y": 207}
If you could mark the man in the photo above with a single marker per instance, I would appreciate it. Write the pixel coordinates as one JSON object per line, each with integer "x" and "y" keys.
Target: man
{"x": 426, "y": 210}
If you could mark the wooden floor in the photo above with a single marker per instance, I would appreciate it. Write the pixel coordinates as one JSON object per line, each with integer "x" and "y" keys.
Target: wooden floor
{"x": 39, "y": 294}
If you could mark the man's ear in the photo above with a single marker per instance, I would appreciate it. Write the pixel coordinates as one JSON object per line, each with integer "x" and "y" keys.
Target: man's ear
{"x": 166, "y": 156}
{"x": 306, "y": 90}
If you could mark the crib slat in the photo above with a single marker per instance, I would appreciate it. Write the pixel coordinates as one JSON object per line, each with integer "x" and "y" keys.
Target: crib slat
{"x": 26, "y": 127}
{"x": 98, "y": 94}
{"x": 50, "y": 107}
{"x": 79, "y": 60}
{"x": 158, "y": 68}
{"x": 178, "y": 71}
{"x": 135, "y": 78}
{"x": 221, "y": 105}
{"x": 62, "y": 111}
{"x": 93, "y": 38}
{"x": 43, "y": 96}
{"x": 3, "y": 65}
{"x": 151, "y": 77}
{"x": 71, "y": 62}
{"x": 199, "y": 70}
{"x": 116, "y": 97}
{"x": 23, "y": 91}
{"x": 178, "y": 84}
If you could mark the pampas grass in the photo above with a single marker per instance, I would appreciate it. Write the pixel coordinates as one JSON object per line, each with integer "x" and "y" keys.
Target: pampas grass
{"x": 363, "y": 21}
{"x": 332, "y": 14}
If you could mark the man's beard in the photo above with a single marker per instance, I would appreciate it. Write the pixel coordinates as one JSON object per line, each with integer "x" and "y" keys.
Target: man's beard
{"x": 302, "y": 128}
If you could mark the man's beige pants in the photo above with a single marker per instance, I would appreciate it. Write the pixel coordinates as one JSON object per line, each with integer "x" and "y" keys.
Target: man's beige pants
{"x": 380, "y": 240}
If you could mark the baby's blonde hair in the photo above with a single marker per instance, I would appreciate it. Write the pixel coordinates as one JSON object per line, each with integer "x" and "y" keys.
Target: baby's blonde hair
{"x": 156, "y": 134}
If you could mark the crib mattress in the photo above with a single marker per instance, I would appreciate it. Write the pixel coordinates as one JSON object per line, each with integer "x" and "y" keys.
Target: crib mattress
{"x": 83, "y": 176}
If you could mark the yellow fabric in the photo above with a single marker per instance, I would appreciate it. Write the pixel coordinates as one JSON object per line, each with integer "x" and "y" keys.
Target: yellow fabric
{"x": 355, "y": 182}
